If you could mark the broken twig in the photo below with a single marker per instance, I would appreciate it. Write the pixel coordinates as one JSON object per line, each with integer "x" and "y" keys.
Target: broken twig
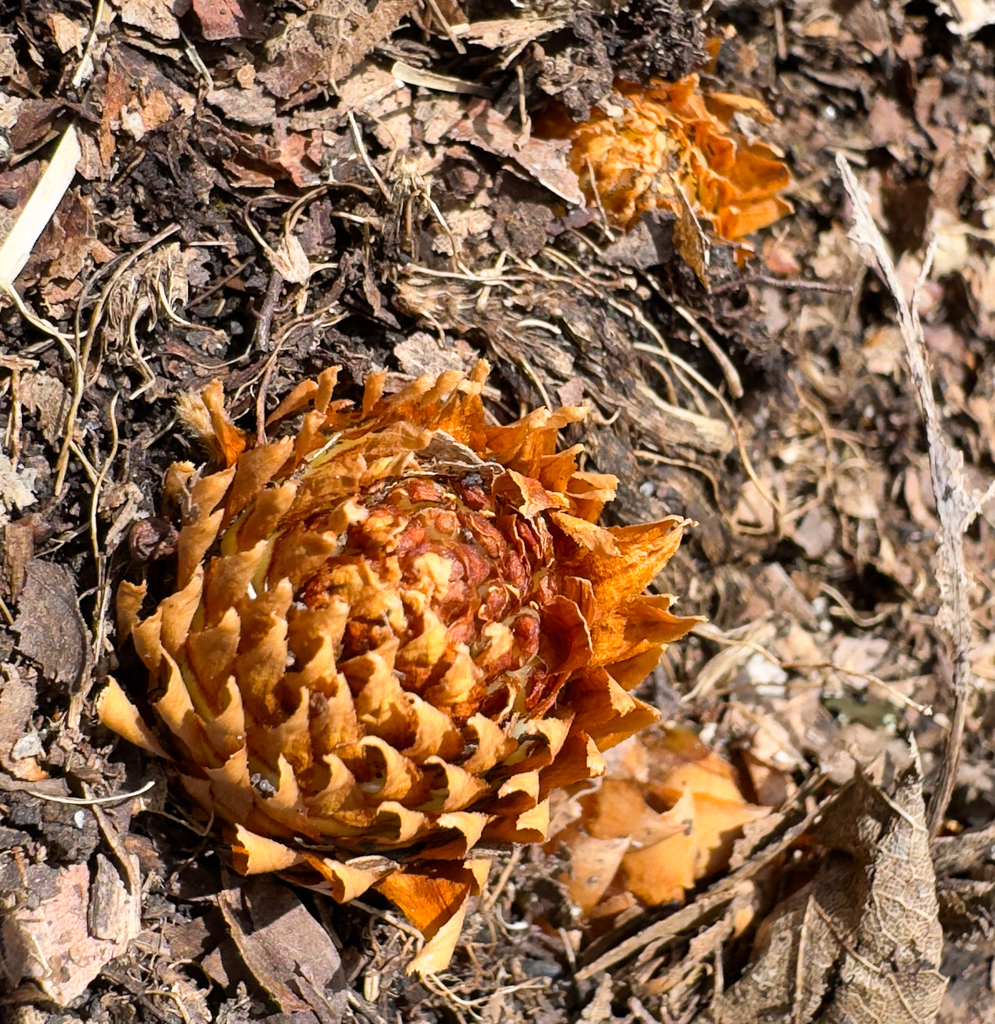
{"x": 955, "y": 507}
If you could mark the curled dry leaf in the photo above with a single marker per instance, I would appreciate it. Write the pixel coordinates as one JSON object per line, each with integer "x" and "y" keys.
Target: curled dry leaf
{"x": 394, "y": 631}
{"x": 670, "y": 137}
{"x": 666, "y": 815}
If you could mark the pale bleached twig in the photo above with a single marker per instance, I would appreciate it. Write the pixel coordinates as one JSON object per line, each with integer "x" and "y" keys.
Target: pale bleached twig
{"x": 956, "y": 508}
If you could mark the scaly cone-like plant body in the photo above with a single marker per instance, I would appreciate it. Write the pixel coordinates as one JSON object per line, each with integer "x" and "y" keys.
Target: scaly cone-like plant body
{"x": 392, "y": 634}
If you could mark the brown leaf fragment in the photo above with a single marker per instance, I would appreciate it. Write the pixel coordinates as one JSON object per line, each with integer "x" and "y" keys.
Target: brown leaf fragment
{"x": 46, "y": 397}
{"x": 325, "y": 44}
{"x": 546, "y": 160}
{"x": 34, "y": 121}
{"x": 510, "y": 31}
{"x": 288, "y": 952}
{"x": 294, "y": 68}
{"x": 49, "y": 623}
{"x": 157, "y": 17}
{"x": 860, "y": 943}
{"x": 19, "y": 549}
{"x": 48, "y": 940}
{"x": 19, "y": 742}
{"x": 68, "y": 34}
{"x": 229, "y": 19}
{"x": 250, "y": 106}
{"x": 8, "y": 58}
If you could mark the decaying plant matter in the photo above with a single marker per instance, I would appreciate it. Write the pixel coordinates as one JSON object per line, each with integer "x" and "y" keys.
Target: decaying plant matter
{"x": 393, "y": 632}
{"x": 665, "y": 815}
{"x": 670, "y": 145}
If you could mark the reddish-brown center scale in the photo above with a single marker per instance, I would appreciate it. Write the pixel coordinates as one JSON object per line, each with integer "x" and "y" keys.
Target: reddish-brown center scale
{"x": 498, "y": 572}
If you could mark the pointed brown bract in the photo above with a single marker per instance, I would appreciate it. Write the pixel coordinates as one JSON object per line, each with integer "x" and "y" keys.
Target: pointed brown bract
{"x": 393, "y": 632}
{"x": 672, "y": 136}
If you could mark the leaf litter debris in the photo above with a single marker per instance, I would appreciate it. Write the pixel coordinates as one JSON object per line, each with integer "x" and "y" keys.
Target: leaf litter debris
{"x": 262, "y": 191}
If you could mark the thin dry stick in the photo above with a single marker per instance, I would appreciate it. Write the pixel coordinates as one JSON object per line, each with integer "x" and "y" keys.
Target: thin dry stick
{"x": 264, "y": 325}
{"x": 955, "y": 507}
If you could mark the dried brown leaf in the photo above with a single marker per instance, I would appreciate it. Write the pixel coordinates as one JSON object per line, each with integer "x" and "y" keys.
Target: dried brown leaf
{"x": 288, "y": 952}
{"x": 48, "y": 940}
{"x": 860, "y": 943}
{"x": 51, "y": 629}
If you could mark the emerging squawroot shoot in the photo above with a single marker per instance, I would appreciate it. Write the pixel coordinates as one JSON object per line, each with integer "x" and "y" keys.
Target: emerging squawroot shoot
{"x": 392, "y": 633}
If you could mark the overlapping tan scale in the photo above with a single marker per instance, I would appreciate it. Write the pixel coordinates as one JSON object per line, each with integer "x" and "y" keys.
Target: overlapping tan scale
{"x": 259, "y": 614}
{"x": 387, "y": 775}
{"x": 456, "y": 790}
{"x": 177, "y": 481}
{"x": 254, "y": 854}
{"x": 369, "y": 596}
{"x": 500, "y": 641}
{"x": 287, "y": 734}
{"x": 432, "y": 575}
{"x": 606, "y": 711}
{"x": 120, "y": 715}
{"x": 493, "y": 745}
{"x": 264, "y": 515}
{"x": 637, "y": 626}
{"x": 286, "y": 801}
{"x": 552, "y": 731}
{"x": 338, "y": 789}
{"x": 230, "y": 786}
{"x": 516, "y": 796}
{"x": 299, "y": 553}
{"x": 260, "y": 669}
{"x": 428, "y": 647}
{"x": 147, "y": 638}
{"x": 437, "y": 906}
{"x": 303, "y": 395}
{"x": 176, "y": 710}
{"x": 590, "y": 492}
{"x": 127, "y": 604}
{"x": 314, "y": 636}
{"x": 381, "y": 707}
{"x": 577, "y": 760}
{"x": 225, "y": 722}
{"x": 211, "y": 652}
{"x": 329, "y": 486}
{"x": 527, "y": 495}
{"x": 531, "y": 826}
{"x": 207, "y": 492}
{"x": 588, "y": 536}
{"x": 308, "y": 437}
{"x": 333, "y": 723}
{"x": 178, "y": 611}
{"x": 557, "y": 470}
{"x": 565, "y": 643}
{"x": 194, "y": 542}
{"x": 632, "y": 671}
{"x": 457, "y": 684}
{"x": 398, "y": 826}
{"x": 227, "y": 579}
{"x": 435, "y": 734}
{"x": 349, "y": 880}
{"x": 466, "y": 828}
{"x": 255, "y": 469}
{"x": 326, "y": 386}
